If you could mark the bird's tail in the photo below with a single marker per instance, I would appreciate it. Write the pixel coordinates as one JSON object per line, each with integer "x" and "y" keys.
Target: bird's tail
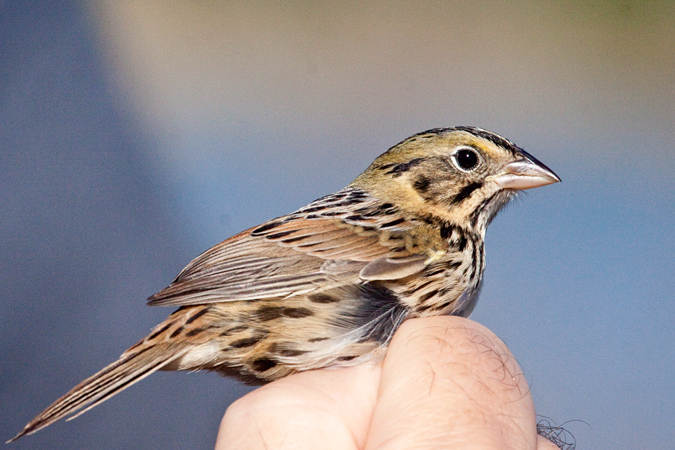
{"x": 135, "y": 364}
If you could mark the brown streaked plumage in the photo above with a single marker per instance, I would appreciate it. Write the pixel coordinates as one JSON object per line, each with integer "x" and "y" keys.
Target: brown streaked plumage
{"x": 329, "y": 284}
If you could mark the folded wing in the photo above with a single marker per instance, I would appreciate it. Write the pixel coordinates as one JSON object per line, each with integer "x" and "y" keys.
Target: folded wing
{"x": 296, "y": 254}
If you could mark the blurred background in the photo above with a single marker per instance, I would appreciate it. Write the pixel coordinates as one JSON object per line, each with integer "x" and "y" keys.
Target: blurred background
{"x": 136, "y": 134}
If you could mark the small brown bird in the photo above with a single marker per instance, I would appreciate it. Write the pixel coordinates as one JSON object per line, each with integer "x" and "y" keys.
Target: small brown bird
{"x": 329, "y": 284}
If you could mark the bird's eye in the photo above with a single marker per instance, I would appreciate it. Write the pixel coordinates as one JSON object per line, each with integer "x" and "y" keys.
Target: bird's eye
{"x": 466, "y": 159}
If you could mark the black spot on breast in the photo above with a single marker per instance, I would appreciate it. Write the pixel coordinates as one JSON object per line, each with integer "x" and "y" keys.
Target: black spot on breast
{"x": 478, "y": 211}
{"x": 246, "y": 342}
{"x": 421, "y": 184}
{"x": 322, "y": 298}
{"x": 461, "y": 243}
{"x": 266, "y": 227}
{"x": 263, "y": 364}
{"x": 297, "y": 313}
{"x": 465, "y": 193}
{"x": 446, "y": 230}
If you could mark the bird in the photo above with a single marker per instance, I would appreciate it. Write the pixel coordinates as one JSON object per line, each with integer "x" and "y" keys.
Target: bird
{"x": 329, "y": 284}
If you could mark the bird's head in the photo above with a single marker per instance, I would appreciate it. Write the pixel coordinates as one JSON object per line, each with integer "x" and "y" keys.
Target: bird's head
{"x": 460, "y": 175}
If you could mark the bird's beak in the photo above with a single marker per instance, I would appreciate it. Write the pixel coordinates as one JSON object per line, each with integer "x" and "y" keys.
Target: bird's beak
{"x": 525, "y": 173}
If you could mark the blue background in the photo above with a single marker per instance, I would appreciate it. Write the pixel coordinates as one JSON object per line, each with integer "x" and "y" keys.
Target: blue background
{"x": 134, "y": 135}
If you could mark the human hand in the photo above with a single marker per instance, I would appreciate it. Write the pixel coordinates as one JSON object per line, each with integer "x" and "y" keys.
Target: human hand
{"x": 446, "y": 382}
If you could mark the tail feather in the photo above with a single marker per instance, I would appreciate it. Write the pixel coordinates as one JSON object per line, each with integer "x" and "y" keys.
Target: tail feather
{"x": 133, "y": 366}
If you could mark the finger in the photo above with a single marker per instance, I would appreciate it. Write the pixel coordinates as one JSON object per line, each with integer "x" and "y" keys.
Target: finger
{"x": 327, "y": 409}
{"x": 448, "y": 382}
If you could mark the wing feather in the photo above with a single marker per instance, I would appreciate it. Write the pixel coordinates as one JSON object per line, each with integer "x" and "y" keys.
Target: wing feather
{"x": 289, "y": 254}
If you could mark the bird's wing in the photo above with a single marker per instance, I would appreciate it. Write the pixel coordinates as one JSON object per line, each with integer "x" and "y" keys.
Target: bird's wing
{"x": 320, "y": 246}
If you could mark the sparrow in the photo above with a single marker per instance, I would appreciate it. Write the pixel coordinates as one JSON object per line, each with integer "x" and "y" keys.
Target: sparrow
{"x": 329, "y": 284}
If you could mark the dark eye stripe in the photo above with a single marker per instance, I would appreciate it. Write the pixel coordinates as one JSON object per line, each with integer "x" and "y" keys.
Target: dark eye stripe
{"x": 465, "y": 193}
